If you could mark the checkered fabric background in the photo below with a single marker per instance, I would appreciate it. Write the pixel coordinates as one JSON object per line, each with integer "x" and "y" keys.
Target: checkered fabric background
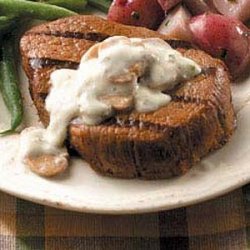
{"x": 223, "y": 223}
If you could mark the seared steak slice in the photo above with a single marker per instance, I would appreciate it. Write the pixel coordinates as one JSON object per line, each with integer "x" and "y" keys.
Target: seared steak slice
{"x": 161, "y": 144}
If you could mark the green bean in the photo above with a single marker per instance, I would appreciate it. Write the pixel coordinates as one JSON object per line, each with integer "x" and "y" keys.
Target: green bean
{"x": 9, "y": 85}
{"x": 102, "y": 5}
{"x": 76, "y": 5}
{"x": 27, "y": 9}
{"x": 6, "y": 23}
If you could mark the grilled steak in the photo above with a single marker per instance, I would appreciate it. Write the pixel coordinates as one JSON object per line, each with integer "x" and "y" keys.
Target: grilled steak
{"x": 161, "y": 144}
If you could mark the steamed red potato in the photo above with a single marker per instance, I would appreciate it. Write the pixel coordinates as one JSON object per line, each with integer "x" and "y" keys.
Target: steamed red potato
{"x": 223, "y": 37}
{"x": 197, "y": 7}
{"x": 176, "y": 24}
{"x": 146, "y": 13}
{"x": 168, "y": 4}
{"x": 239, "y": 9}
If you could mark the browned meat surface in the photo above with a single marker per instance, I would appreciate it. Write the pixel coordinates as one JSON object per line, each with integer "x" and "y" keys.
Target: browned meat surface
{"x": 161, "y": 144}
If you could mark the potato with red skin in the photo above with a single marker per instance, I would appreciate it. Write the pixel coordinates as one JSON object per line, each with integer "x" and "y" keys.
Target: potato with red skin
{"x": 176, "y": 24}
{"x": 146, "y": 13}
{"x": 168, "y": 4}
{"x": 197, "y": 7}
{"x": 223, "y": 37}
{"x": 239, "y": 9}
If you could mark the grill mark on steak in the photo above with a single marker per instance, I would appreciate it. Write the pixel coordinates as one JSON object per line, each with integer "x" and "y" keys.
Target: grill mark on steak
{"x": 90, "y": 36}
{"x": 205, "y": 71}
{"x": 99, "y": 37}
{"x": 39, "y": 63}
{"x": 129, "y": 123}
{"x": 176, "y": 44}
{"x": 188, "y": 99}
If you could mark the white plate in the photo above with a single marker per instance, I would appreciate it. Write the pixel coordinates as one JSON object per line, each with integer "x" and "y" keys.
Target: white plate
{"x": 81, "y": 189}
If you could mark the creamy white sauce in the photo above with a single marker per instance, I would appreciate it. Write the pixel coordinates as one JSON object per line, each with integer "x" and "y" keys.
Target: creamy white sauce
{"x": 117, "y": 74}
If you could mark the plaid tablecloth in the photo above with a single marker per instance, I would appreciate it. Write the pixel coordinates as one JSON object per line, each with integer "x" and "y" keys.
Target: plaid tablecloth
{"x": 222, "y": 223}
